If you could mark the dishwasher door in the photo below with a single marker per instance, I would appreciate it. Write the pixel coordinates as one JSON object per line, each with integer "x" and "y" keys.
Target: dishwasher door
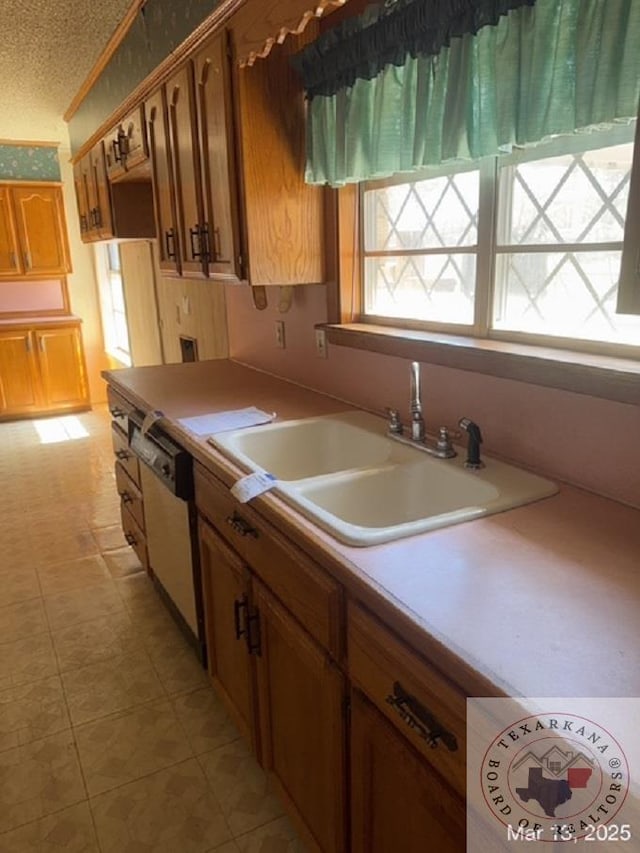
{"x": 170, "y": 546}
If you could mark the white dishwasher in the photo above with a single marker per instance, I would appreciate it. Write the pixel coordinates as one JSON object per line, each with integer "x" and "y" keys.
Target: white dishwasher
{"x": 170, "y": 519}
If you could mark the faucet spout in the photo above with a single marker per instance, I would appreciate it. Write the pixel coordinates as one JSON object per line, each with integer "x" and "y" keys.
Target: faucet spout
{"x": 417, "y": 421}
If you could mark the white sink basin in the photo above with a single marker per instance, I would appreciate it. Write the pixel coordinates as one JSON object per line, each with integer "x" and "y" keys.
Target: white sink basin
{"x": 344, "y": 473}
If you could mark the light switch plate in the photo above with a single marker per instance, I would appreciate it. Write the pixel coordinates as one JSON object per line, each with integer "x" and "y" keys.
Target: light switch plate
{"x": 321, "y": 343}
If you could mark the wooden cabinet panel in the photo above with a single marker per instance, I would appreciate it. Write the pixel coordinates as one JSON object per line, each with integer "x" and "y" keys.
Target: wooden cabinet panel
{"x": 302, "y": 586}
{"x": 133, "y": 138}
{"x": 79, "y": 181}
{"x": 10, "y": 261}
{"x": 134, "y": 536}
{"x": 19, "y": 380}
{"x": 41, "y": 229}
{"x": 397, "y": 801}
{"x": 410, "y": 693}
{"x": 186, "y": 165}
{"x": 129, "y": 461}
{"x": 130, "y": 495}
{"x": 302, "y": 725}
{"x": 225, "y": 581}
{"x": 284, "y": 217}
{"x": 104, "y": 221}
{"x": 169, "y": 250}
{"x": 62, "y": 367}
{"x": 219, "y": 179}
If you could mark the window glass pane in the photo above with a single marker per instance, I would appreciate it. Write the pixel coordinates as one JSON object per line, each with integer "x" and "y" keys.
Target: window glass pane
{"x": 117, "y": 293}
{"x": 575, "y": 198}
{"x": 434, "y": 213}
{"x": 113, "y": 256}
{"x": 436, "y": 288}
{"x": 121, "y": 334}
{"x": 566, "y": 294}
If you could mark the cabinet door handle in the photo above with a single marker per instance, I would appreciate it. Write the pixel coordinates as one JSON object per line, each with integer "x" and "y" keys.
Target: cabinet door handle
{"x": 98, "y": 218}
{"x": 83, "y": 223}
{"x": 170, "y": 244}
{"x": 123, "y": 454}
{"x": 126, "y": 497}
{"x": 217, "y": 247}
{"x": 116, "y": 412}
{"x": 195, "y": 233}
{"x": 27, "y": 260}
{"x": 130, "y": 538}
{"x": 241, "y": 526}
{"x": 13, "y": 260}
{"x": 204, "y": 242}
{"x": 254, "y": 644}
{"x": 240, "y": 606}
{"x": 420, "y": 719}
{"x": 115, "y": 144}
{"x": 42, "y": 344}
{"x": 27, "y": 343}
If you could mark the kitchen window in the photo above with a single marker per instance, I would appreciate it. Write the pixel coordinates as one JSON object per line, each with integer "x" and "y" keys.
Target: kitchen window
{"x": 524, "y": 247}
{"x": 112, "y": 302}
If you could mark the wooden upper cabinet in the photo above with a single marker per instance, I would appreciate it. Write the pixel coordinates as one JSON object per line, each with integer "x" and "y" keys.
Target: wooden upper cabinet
{"x": 19, "y": 381}
{"x": 186, "y": 165}
{"x": 103, "y": 218}
{"x": 163, "y": 182}
{"x": 41, "y": 229}
{"x": 9, "y": 250}
{"x": 125, "y": 147}
{"x": 219, "y": 178}
{"x": 284, "y": 217}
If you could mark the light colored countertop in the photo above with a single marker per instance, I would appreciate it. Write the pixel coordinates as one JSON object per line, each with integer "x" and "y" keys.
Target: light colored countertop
{"x": 543, "y": 600}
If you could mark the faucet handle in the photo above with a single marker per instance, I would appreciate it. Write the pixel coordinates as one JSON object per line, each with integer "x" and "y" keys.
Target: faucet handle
{"x": 395, "y": 424}
{"x": 443, "y": 444}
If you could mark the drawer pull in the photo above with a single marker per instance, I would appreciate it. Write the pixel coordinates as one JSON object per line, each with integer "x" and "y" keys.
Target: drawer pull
{"x": 126, "y": 497}
{"x": 420, "y": 719}
{"x": 123, "y": 454}
{"x": 131, "y": 539}
{"x": 116, "y": 412}
{"x": 238, "y": 606}
{"x": 241, "y": 526}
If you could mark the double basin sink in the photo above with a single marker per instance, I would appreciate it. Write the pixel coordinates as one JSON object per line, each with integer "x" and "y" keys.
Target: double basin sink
{"x": 348, "y": 476}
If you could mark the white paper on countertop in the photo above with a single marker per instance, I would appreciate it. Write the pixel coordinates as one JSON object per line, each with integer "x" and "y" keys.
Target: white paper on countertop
{"x": 252, "y": 485}
{"x": 224, "y": 421}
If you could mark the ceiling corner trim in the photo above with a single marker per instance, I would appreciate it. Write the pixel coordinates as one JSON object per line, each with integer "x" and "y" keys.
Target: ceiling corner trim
{"x": 110, "y": 48}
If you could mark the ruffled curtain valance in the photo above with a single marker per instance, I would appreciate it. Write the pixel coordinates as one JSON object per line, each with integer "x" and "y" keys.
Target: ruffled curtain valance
{"x": 387, "y": 33}
{"x": 556, "y": 67}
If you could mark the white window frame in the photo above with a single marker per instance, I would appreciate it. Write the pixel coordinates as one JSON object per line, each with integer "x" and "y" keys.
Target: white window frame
{"x": 487, "y": 250}
{"x": 105, "y": 276}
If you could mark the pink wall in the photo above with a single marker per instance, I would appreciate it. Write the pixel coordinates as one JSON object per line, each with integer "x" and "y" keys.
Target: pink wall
{"x": 27, "y": 297}
{"x": 582, "y": 440}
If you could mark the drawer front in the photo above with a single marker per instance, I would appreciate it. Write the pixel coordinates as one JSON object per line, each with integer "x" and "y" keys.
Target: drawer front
{"x": 120, "y": 408}
{"x": 415, "y": 697}
{"x": 124, "y": 455}
{"x": 303, "y": 587}
{"x": 130, "y": 495}
{"x": 134, "y": 536}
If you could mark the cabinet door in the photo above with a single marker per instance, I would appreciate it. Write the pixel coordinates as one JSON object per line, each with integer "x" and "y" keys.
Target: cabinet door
{"x": 133, "y": 139}
{"x": 91, "y": 195}
{"x": 163, "y": 183}
{"x": 186, "y": 164}
{"x": 41, "y": 227}
{"x": 9, "y": 252}
{"x": 18, "y": 373}
{"x": 225, "y": 583}
{"x": 219, "y": 180}
{"x": 103, "y": 194}
{"x": 301, "y": 697}
{"x": 81, "y": 199}
{"x": 398, "y": 802}
{"x": 62, "y": 367}
{"x": 113, "y": 153}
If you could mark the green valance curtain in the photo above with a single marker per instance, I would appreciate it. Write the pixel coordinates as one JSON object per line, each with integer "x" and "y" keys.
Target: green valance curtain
{"x": 514, "y": 77}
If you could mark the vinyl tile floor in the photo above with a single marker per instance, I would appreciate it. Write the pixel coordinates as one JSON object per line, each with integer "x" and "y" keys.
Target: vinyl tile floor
{"x": 111, "y": 738}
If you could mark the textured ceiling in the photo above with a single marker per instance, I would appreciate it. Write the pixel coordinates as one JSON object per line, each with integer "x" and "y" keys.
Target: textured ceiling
{"x": 47, "y": 48}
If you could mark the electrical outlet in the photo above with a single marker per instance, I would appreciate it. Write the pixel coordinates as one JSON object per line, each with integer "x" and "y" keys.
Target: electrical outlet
{"x": 321, "y": 343}
{"x": 280, "y": 342}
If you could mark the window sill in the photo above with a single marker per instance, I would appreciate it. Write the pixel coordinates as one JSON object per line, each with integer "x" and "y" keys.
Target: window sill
{"x": 595, "y": 375}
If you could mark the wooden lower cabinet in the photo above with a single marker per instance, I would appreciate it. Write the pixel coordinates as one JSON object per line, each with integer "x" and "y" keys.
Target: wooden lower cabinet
{"x": 301, "y": 700}
{"x": 42, "y": 370}
{"x": 398, "y": 802}
{"x": 226, "y": 601}
{"x": 19, "y": 378}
